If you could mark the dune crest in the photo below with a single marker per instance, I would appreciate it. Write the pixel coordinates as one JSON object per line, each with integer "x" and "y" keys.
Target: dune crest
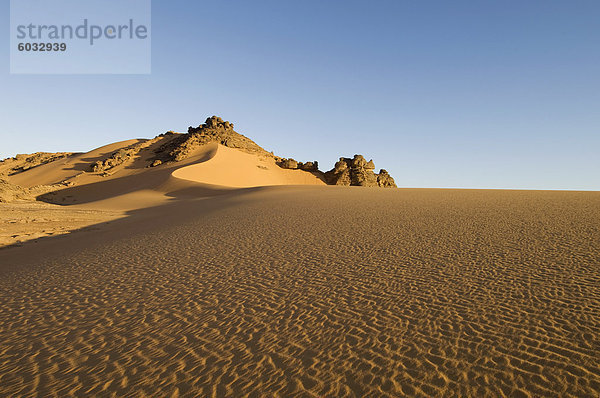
{"x": 234, "y": 168}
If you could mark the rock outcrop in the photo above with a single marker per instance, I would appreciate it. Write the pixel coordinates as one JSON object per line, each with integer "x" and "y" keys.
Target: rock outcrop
{"x": 340, "y": 174}
{"x": 385, "y": 180}
{"x": 357, "y": 171}
{"x": 288, "y": 163}
{"x": 214, "y": 129}
{"x": 24, "y": 162}
{"x": 293, "y": 164}
{"x": 309, "y": 166}
{"x": 115, "y": 159}
{"x": 12, "y": 192}
{"x": 123, "y": 155}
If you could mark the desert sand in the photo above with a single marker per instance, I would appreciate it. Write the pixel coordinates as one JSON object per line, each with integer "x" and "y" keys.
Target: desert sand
{"x": 230, "y": 279}
{"x": 28, "y": 221}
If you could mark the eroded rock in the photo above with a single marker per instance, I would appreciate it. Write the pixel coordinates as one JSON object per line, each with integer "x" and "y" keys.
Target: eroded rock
{"x": 24, "y": 162}
{"x": 214, "y": 129}
{"x": 309, "y": 166}
{"x": 357, "y": 171}
{"x": 288, "y": 163}
{"x": 384, "y": 180}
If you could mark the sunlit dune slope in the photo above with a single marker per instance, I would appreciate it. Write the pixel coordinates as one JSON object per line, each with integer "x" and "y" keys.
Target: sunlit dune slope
{"x": 233, "y": 168}
{"x": 133, "y": 185}
{"x": 67, "y": 168}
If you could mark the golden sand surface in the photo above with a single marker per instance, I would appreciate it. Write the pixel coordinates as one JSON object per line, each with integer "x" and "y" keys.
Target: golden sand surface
{"x": 313, "y": 292}
{"x": 28, "y": 221}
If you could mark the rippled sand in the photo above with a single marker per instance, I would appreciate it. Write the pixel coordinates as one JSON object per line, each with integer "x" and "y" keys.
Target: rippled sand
{"x": 313, "y": 292}
{"x": 26, "y": 221}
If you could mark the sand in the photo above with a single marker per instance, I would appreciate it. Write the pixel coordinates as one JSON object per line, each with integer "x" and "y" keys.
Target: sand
{"x": 94, "y": 198}
{"x": 28, "y": 221}
{"x": 233, "y": 168}
{"x": 306, "y": 291}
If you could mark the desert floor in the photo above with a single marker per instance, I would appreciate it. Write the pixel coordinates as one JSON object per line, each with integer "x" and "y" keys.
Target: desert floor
{"x": 312, "y": 291}
{"x": 26, "y": 221}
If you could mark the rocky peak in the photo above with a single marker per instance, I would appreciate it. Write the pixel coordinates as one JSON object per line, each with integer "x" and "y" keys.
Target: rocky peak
{"x": 214, "y": 129}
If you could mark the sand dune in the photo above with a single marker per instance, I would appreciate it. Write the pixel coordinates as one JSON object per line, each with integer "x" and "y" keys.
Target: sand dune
{"x": 233, "y": 168}
{"x": 132, "y": 185}
{"x": 68, "y": 168}
{"x": 93, "y": 198}
{"x": 210, "y": 170}
{"x": 312, "y": 291}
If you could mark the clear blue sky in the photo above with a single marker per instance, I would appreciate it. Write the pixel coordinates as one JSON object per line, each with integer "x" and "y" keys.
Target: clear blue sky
{"x": 490, "y": 94}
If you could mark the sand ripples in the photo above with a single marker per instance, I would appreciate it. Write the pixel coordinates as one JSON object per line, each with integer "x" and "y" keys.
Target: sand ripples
{"x": 320, "y": 292}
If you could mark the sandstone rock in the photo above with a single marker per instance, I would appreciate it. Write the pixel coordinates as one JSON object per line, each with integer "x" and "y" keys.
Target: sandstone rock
{"x": 357, "y": 171}
{"x": 97, "y": 166}
{"x": 167, "y": 134}
{"x": 24, "y": 162}
{"x": 360, "y": 175}
{"x": 385, "y": 180}
{"x": 288, "y": 164}
{"x": 340, "y": 174}
{"x": 214, "y": 129}
{"x": 358, "y": 161}
{"x": 122, "y": 155}
{"x": 341, "y": 164}
{"x": 341, "y": 178}
{"x": 309, "y": 166}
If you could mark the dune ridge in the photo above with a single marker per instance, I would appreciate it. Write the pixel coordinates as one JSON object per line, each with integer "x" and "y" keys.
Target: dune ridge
{"x": 116, "y": 178}
{"x": 232, "y": 168}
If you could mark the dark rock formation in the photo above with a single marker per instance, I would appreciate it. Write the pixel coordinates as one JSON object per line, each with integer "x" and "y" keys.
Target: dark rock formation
{"x": 385, "y": 180}
{"x": 309, "y": 166}
{"x": 288, "y": 163}
{"x": 340, "y": 174}
{"x": 214, "y": 129}
{"x": 115, "y": 159}
{"x": 123, "y": 155}
{"x": 293, "y": 164}
{"x": 361, "y": 172}
{"x": 358, "y": 172}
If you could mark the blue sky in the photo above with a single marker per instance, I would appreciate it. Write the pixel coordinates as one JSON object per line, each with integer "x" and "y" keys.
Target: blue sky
{"x": 487, "y": 94}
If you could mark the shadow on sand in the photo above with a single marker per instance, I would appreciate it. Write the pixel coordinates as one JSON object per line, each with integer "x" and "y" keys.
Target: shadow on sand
{"x": 185, "y": 199}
